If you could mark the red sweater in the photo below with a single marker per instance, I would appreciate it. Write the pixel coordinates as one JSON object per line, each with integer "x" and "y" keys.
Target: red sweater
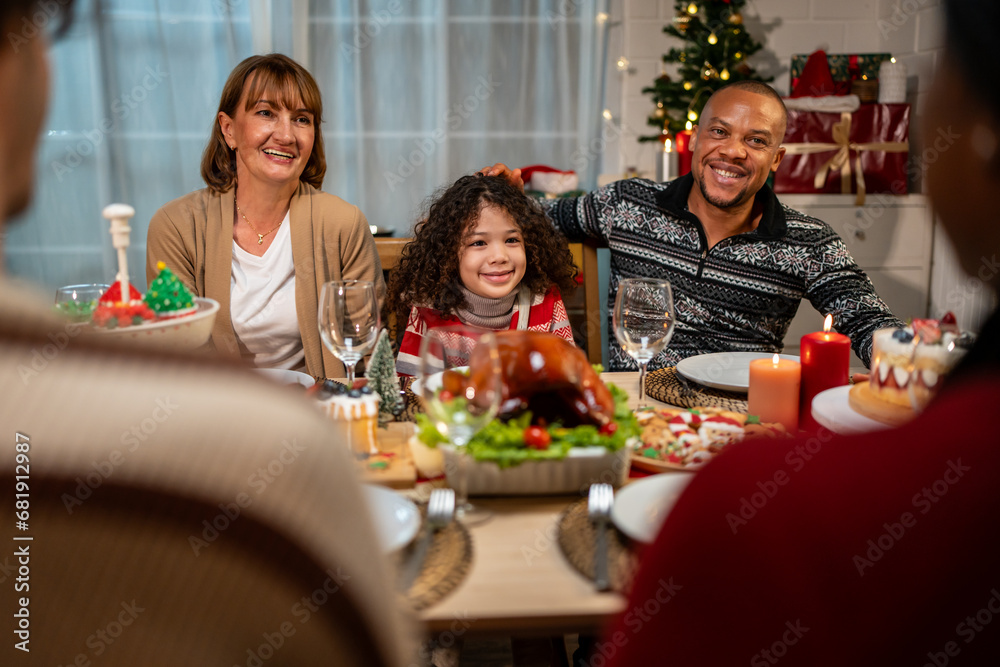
{"x": 882, "y": 549}
{"x": 547, "y": 313}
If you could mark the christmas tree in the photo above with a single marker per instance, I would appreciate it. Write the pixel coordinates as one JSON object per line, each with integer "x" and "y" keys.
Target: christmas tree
{"x": 383, "y": 380}
{"x": 716, "y": 47}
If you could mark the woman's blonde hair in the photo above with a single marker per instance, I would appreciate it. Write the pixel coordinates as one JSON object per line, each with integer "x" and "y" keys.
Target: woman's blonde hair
{"x": 288, "y": 82}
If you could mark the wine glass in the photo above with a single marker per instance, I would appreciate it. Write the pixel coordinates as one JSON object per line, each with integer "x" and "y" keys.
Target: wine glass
{"x": 460, "y": 386}
{"x": 643, "y": 321}
{"x": 349, "y": 321}
{"x": 77, "y": 302}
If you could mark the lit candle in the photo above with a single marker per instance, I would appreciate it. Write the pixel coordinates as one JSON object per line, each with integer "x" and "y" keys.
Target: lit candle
{"x": 683, "y": 141}
{"x": 774, "y": 391}
{"x": 826, "y": 356}
{"x": 666, "y": 160}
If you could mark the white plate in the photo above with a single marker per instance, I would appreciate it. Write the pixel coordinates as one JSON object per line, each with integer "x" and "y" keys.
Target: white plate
{"x": 832, "y": 409}
{"x": 729, "y": 371}
{"x": 433, "y": 380}
{"x": 282, "y": 376}
{"x": 397, "y": 520}
{"x": 641, "y": 507}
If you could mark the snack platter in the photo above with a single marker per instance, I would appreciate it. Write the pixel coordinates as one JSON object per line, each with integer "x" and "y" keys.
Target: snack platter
{"x": 686, "y": 439}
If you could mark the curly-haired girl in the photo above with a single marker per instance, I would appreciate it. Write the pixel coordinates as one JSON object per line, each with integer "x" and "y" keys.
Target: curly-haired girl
{"x": 484, "y": 255}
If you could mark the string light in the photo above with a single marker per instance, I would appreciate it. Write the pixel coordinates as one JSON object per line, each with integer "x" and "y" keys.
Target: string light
{"x": 602, "y": 18}
{"x": 688, "y": 85}
{"x": 724, "y": 74}
{"x": 688, "y": 125}
{"x": 712, "y": 39}
{"x": 692, "y": 9}
{"x": 607, "y": 114}
{"x": 692, "y": 116}
{"x": 622, "y": 64}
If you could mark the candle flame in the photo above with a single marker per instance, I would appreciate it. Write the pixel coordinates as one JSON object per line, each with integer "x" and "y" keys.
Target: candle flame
{"x": 668, "y": 146}
{"x": 774, "y": 359}
{"x": 828, "y": 323}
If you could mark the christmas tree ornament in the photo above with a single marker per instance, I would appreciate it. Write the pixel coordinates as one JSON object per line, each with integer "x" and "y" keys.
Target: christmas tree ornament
{"x": 736, "y": 18}
{"x": 708, "y": 72}
{"x": 688, "y": 85}
{"x": 681, "y": 22}
{"x": 738, "y": 55}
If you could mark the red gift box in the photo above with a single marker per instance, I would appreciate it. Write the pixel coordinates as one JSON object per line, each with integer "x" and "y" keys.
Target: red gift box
{"x": 859, "y": 152}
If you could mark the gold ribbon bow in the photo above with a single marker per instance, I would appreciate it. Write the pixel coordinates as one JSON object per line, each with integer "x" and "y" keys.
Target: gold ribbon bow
{"x": 841, "y": 160}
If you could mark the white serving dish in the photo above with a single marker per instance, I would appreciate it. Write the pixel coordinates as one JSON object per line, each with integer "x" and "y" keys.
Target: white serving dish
{"x": 582, "y": 467}
{"x": 177, "y": 334}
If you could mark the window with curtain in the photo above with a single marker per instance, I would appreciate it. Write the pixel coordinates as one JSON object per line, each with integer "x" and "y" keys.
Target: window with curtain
{"x": 416, "y": 94}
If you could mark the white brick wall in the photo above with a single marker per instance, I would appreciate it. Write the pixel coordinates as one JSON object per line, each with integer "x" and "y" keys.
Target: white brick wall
{"x": 909, "y": 29}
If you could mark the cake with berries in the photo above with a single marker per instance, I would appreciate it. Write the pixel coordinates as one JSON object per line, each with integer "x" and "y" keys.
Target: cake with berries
{"x": 357, "y": 407}
{"x": 167, "y": 296}
{"x": 908, "y": 367}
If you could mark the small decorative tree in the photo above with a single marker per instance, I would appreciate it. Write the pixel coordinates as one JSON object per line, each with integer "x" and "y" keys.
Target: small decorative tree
{"x": 716, "y": 47}
{"x": 383, "y": 380}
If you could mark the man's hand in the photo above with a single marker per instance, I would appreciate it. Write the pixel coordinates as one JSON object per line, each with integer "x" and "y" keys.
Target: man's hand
{"x": 500, "y": 169}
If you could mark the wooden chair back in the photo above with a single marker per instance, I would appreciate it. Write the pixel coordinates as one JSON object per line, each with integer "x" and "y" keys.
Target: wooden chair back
{"x": 585, "y": 258}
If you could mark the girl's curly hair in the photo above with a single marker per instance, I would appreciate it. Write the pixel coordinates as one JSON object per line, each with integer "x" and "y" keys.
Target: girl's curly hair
{"x": 427, "y": 273}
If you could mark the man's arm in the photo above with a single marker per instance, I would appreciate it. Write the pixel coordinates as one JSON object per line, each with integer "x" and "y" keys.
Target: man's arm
{"x": 837, "y": 286}
{"x": 578, "y": 218}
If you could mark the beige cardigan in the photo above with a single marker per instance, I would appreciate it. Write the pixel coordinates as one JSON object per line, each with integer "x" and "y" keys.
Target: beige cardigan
{"x": 331, "y": 240}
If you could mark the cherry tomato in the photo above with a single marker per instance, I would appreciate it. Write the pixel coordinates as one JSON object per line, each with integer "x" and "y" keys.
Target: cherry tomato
{"x": 446, "y": 395}
{"x": 536, "y": 437}
{"x": 608, "y": 428}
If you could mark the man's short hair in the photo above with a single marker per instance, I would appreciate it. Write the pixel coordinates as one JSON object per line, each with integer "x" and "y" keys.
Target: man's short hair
{"x": 758, "y": 87}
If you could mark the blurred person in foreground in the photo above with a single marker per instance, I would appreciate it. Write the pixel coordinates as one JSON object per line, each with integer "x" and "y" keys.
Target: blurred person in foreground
{"x": 877, "y": 549}
{"x": 149, "y": 489}
{"x": 262, "y": 238}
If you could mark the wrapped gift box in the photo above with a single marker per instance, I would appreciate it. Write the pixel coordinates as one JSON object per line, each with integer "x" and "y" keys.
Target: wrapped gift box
{"x": 859, "y": 152}
{"x": 845, "y": 68}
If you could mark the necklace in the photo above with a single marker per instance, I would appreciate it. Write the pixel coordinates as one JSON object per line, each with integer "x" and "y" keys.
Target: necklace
{"x": 260, "y": 237}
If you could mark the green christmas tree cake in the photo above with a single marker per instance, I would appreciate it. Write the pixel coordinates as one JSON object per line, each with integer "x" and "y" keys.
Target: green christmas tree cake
{"x": 167, "y": 296}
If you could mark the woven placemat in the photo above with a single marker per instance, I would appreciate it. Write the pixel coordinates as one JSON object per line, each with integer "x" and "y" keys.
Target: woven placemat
{"x": 448, "y": 559}
{"x": 578, "y": 541}
{"x": 667, "y": 385}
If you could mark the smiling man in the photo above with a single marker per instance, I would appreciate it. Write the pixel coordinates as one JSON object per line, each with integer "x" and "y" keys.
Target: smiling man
{"x": 739, "y": 262}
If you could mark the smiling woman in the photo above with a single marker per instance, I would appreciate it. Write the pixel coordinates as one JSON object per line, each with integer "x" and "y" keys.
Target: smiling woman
{"x": 262, "y": 238}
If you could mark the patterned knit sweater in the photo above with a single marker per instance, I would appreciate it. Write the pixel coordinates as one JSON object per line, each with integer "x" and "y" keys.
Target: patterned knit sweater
{"x": 742, "y": 294}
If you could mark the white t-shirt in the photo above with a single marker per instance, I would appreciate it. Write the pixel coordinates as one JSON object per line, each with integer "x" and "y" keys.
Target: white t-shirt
{"x": 262, "y": 303}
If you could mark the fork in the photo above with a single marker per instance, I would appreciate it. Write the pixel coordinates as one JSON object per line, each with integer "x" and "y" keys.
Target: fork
{"x": 599, "y": 504}
{"x": 440, "y": 512}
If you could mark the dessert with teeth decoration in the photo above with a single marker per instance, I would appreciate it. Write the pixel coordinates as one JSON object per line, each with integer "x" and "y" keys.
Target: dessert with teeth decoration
{"x": 908, "y": 368}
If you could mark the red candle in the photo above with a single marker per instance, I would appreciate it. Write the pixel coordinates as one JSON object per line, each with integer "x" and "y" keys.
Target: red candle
{"x": 774, "y": 391}
{"x": 826, "y": 357}
{"x": 681, "y": 141}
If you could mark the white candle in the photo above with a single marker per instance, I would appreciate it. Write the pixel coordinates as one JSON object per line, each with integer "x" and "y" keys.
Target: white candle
{"x": 891, "y": 82}
{"x": 666, "y": 161}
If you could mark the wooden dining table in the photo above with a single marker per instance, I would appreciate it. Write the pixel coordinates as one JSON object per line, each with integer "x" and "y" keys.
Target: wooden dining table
{"x": 519, "y": 582}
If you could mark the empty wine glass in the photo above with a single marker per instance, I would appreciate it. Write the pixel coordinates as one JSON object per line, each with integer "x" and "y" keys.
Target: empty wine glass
{"x": 77, "y": 302}
{"x": 349, "y": 320}
{"x": 643, "y": 321}
{"x": 460, "y": 386}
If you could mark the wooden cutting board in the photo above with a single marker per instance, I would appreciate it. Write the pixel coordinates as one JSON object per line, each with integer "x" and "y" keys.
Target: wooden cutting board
{"x": 399, "y": 471}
